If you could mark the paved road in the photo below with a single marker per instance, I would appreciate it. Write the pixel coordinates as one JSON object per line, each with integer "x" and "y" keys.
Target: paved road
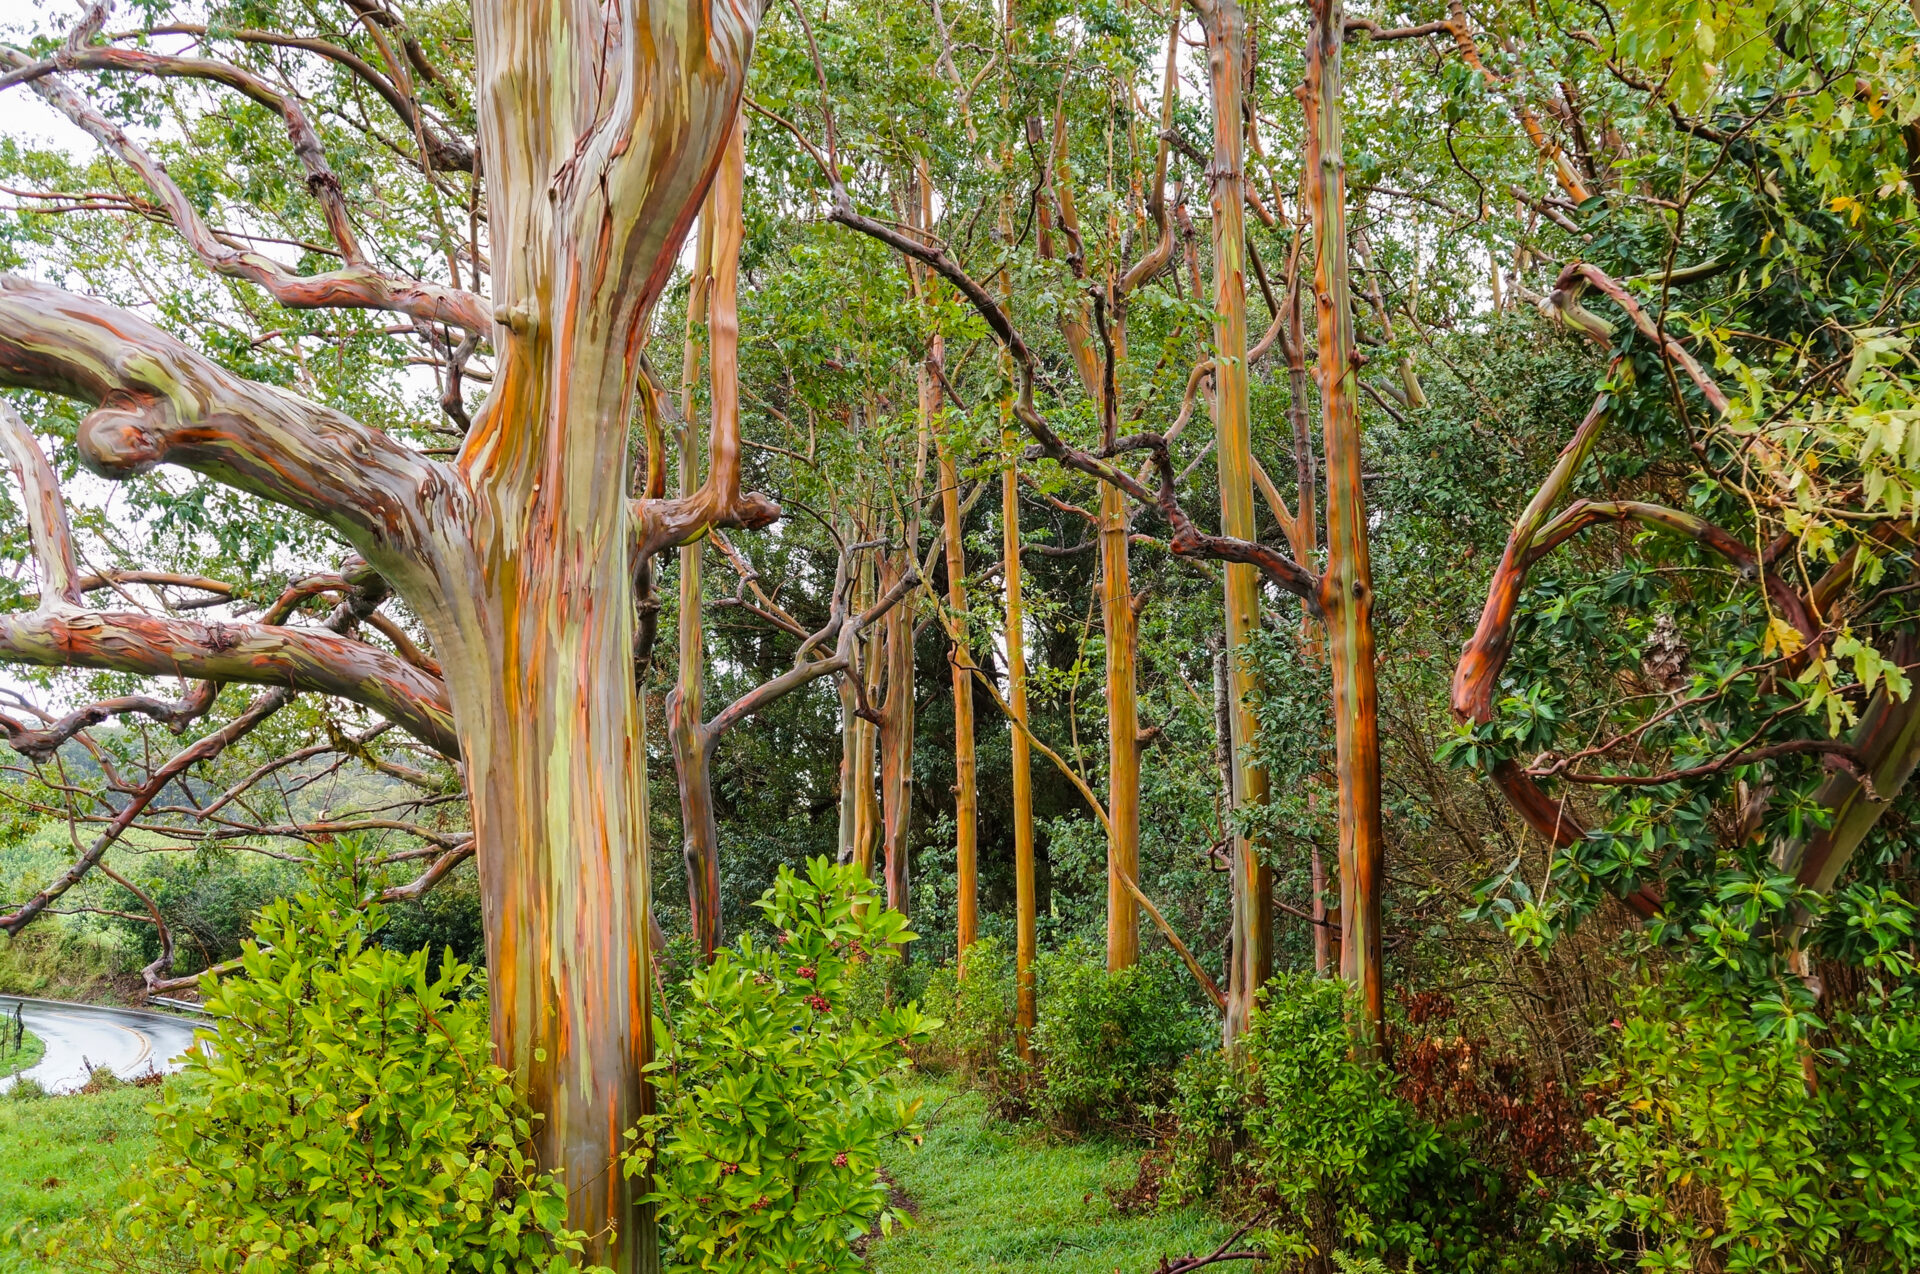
{"x": 132, "y": 1042}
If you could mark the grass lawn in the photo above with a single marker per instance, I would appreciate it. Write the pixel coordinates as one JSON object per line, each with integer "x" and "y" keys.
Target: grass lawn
{"x": 994, "y": 1199}
{"x": 14, "y": 1060}
{"x": 65, "y": 1157}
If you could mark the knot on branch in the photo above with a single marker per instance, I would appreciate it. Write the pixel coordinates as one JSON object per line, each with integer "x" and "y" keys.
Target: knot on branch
{"x": 755, "y": 510}
{"x": 116, "y": 442}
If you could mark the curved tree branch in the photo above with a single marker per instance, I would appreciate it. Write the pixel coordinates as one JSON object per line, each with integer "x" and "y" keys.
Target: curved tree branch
{"x": 357, "y": 286}
{"x": 444, "y": 153}
{"x": 159, "y": 402}
{"x": 299, "y": 659}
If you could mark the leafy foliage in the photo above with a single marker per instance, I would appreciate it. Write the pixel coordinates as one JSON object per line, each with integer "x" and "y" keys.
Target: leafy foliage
{"x": 349, "y": 1117}
{"x": 776, "y": 1097}
{"x": 1109, "y": 1043}
{"x": 1713, "y": 1150}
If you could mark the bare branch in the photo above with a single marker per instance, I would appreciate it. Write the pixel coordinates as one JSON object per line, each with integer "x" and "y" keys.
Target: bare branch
{"x": 444, "y": 154}
{"x": 159, "y": 402}
{"x": 357, "y": 286}
{"x": 301, "y": 659}
{"x": 212, "y": 745}
{"x": 40, "y": 744}
{"x": 46, "y": 512}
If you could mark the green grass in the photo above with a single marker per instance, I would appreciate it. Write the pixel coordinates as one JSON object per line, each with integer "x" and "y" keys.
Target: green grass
{"x": 990, "y": 1198}
{"x": 63, "y": 1158}
{"x": 14, "y": 1060}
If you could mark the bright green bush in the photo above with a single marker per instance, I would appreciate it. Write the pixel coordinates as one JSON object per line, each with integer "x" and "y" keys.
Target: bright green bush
{"x": 1109, "y": 1043}
{"x": 350, "y": 1119}
{"x": 775, "y": 1095}
{"x": 1212, "y": 1094}
{"x": 1353, "y": 1173}
{"x": 1712, "y": 1152}
{"x": 976, "y": 1041}
{"x": 1327, "y": 1135}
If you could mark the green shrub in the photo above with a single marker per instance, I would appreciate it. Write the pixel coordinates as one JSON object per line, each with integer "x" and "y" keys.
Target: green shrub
{"x": 775, "y": 1095}
{"x": 209, "y": 900}
{"x": 975, "y": 1041}
{"x": 1212, "y": 1094}
{"x": 61, "y": 958}
{"x": 1109, "y": 1043}
{"x": 1329, "y": 1138}
{"x": 1712, "y": 1153}
{"x": 26, "y": 1088}
{"x": 351, "y": 1118}
{"x": 448, "y": 917}
{"x": 1352, "y": 1172}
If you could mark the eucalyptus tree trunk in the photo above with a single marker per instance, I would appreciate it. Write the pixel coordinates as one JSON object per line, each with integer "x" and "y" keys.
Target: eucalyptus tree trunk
{"x": 896, "y": 732}
{"x": 866, "y": 802}
{"x": 713, "y": 300}
{"x": 1123, "y": 732}
{"x": 1346, "y": 586}
{"x": 1117, "y": 622}
{"x": 1226, "y": 35}
{"x": 966, "y": 804}
{"x": 1026, "y": 895}
{"x": 600, "y": 129}
{"x": 850, "y": 724}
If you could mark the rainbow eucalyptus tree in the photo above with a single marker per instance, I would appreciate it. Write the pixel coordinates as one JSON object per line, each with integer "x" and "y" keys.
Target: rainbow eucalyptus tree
{"x": 1691, "y": 678}
{"x": 595, "y": 134}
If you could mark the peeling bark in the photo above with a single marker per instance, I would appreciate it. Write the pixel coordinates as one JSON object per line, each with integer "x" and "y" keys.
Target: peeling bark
{"x": 1346, "y": 588}
{"x": 1226, "y": 34}
{"x": 600, "y": 130}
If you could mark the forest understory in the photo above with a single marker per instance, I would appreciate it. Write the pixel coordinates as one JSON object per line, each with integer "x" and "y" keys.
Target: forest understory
{"x": 1143, "y": 634}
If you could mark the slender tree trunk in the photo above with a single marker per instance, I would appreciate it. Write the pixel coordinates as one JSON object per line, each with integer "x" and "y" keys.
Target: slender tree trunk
{"x": 849, "y": 747}
{"x": 866, "y": 804}
{"x": 966, "y": 798}
{"x": 1123, "y": 733}
{"x": 686, "y": 708}
{"x": 1116, "y": 591}
{"x": 713, "y": 299}
{"x": 896, "y": 734}
{"x": 1225, "y": 26}
{"x": 1306, "y": 542}
{"x": 1025, "y": 885}
{"x": 1346, "y": 594}
{"x": 1322, "y": 935}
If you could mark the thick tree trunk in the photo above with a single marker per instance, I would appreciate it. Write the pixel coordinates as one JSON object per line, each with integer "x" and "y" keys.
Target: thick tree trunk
{"x": 1346, "y": 593}
{"x": 600, "y": 128}
{"x": 1225, "y": 26}
{"x": 559, "y": 811}
{"x": 596, "y": 163}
